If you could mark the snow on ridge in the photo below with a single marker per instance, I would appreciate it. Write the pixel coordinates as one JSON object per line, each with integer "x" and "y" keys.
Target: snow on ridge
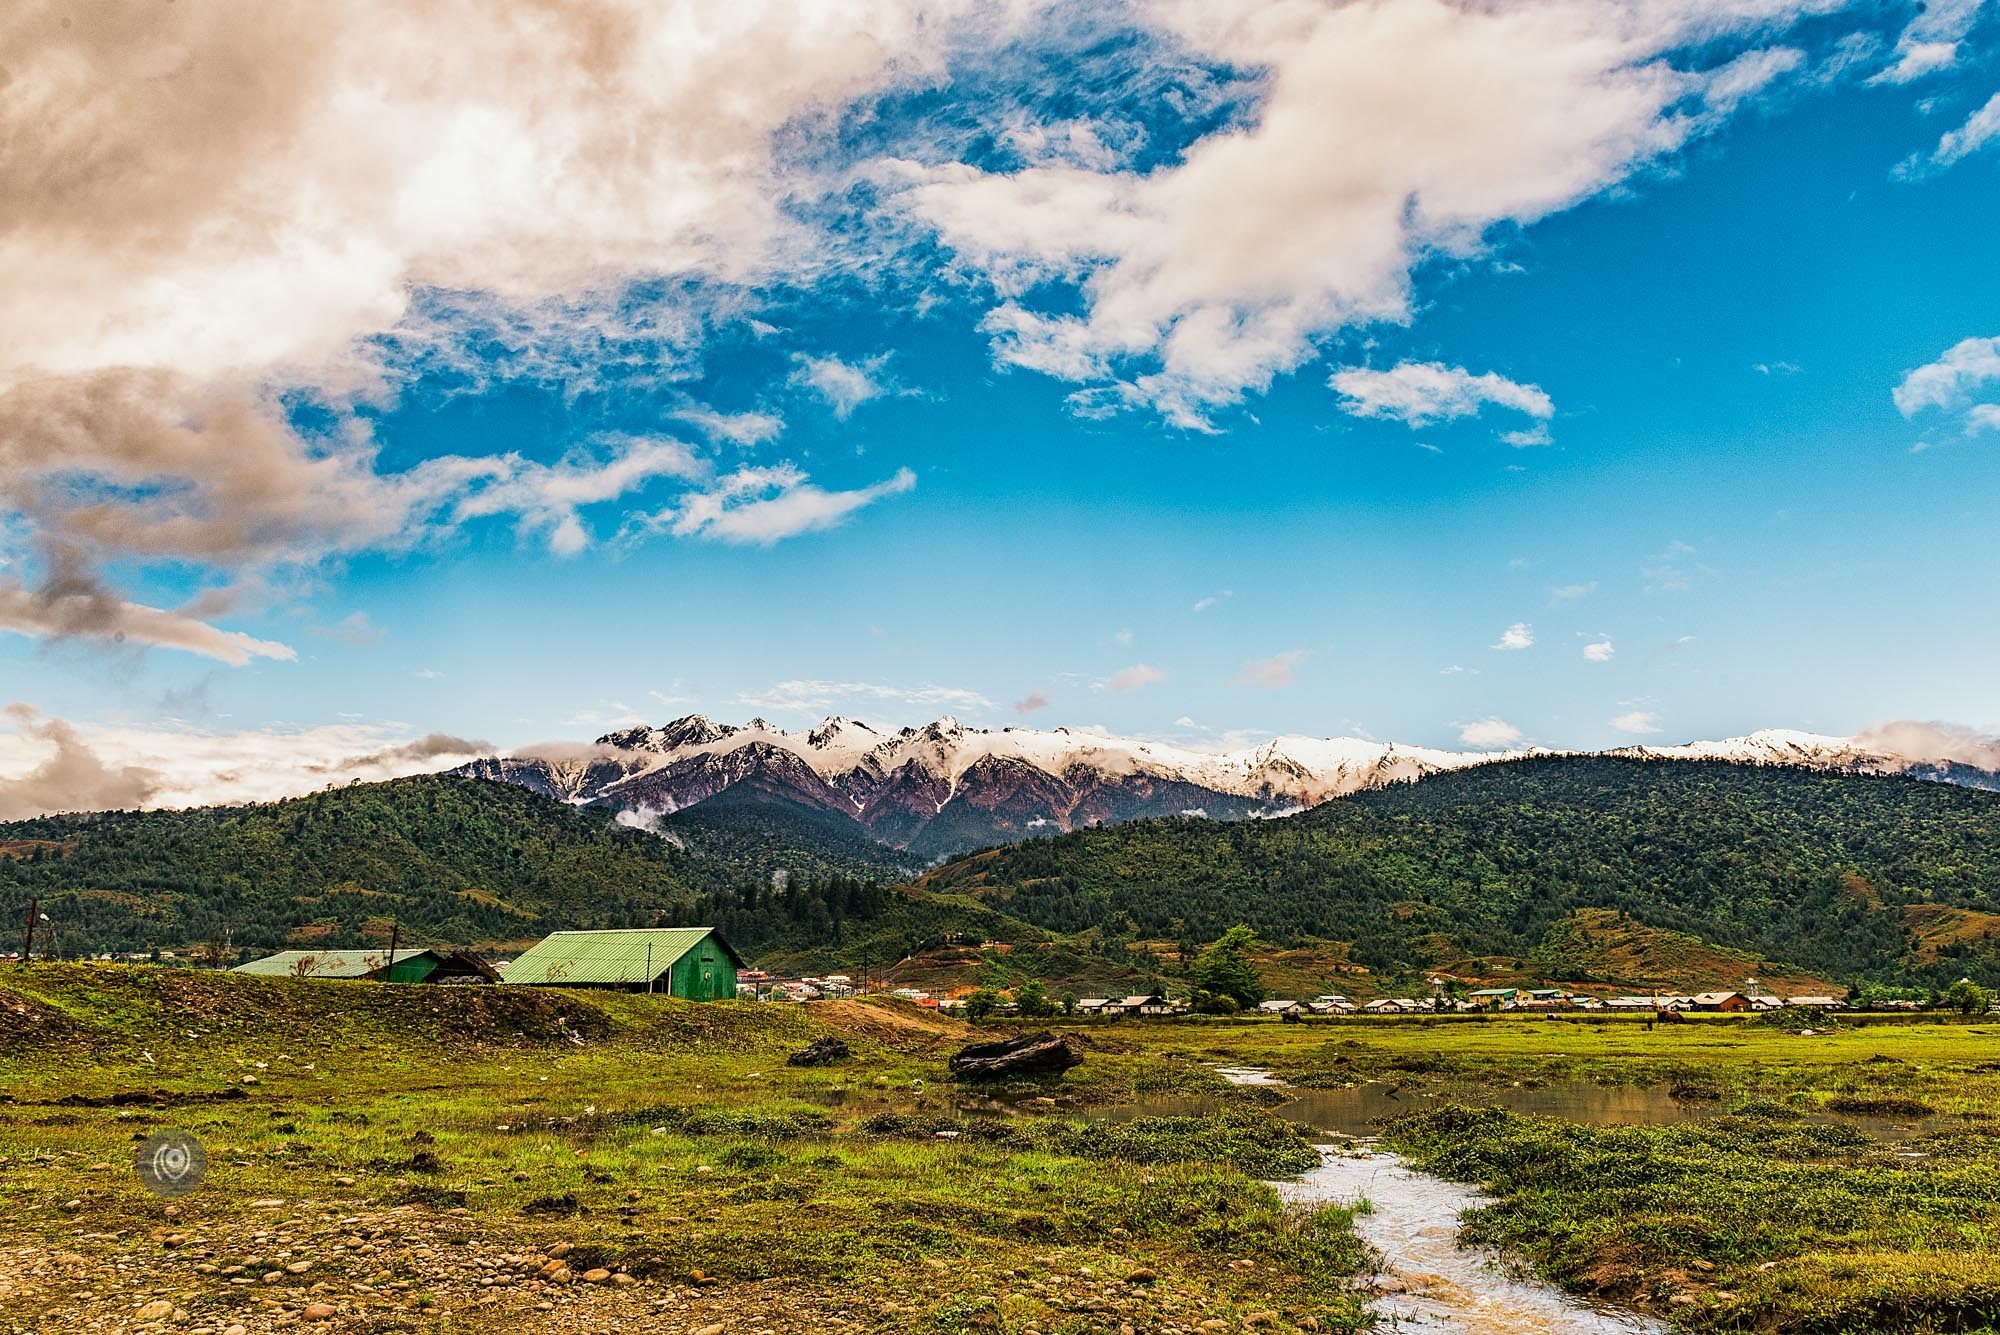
{"x": 1299, "y": 768}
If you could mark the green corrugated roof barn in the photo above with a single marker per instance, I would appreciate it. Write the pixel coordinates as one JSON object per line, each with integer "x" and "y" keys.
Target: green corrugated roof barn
{"x": 691, "y": 962}
{"x": 411, "y": 966}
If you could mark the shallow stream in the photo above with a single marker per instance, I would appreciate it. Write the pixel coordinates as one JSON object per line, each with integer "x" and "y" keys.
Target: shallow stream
{"x": 1431, "y": 1282}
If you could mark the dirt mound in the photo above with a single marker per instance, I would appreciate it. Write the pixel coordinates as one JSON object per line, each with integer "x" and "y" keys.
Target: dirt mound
{"x": 902, "y": 1025}
{"x": 30, "y": 1025}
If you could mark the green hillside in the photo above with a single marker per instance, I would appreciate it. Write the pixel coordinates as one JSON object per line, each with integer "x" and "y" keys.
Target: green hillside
{"x": 1833, "y": 873}
{"x": 454, "y": 860}
{"x": 461, "y": 861}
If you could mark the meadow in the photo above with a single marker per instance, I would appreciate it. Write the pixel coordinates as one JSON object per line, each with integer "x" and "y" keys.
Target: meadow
{"x": 410, "y": 1158}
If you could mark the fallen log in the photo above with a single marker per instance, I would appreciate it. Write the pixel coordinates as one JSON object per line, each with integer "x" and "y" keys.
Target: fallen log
{"x": 819, "y": 1053}
{"x": 1038, "y": 1053}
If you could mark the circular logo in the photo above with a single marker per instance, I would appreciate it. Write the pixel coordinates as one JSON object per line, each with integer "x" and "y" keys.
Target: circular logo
{"x": 170, "y": 1163}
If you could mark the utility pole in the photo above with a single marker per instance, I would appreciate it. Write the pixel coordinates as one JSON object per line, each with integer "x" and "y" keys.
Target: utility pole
{"x": 28, "y": 943}
{"x": 395, "y": 928}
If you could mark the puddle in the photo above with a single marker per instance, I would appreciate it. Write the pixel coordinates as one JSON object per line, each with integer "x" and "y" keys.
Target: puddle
{"x": 1414, "y": 1225}
{"x": 1247, "y": 1075}
{"x": 1354, "y": 1112}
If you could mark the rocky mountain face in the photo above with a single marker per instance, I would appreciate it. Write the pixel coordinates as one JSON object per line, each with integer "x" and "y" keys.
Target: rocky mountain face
{"x": 945, "y": 788}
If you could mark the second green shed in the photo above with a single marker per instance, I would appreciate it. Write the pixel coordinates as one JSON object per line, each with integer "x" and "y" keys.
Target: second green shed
{"x": 691, "y": 962}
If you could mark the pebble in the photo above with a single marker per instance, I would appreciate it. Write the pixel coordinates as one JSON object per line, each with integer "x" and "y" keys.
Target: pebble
{"x": 319, "y": 1312}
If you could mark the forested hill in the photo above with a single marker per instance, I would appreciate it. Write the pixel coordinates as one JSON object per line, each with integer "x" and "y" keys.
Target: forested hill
{"x": 453, "y": 860}
{"x": 1849, "y": 876}
{"x": 456, "y": 861}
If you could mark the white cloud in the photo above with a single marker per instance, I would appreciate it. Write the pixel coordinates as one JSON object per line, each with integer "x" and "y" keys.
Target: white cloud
{"x": 812, "y": 697}
{"x": 745, "y": 429}
{"x": 1946, "y": 382}
{"x": 1274, "y": 672}
{"x": 1490, "y": 734}
{"x": 760, "y": 506}
{"x": 1520, "y": 635}
{"x": 213, "y": 216}
{"x": 1949, "y": 383}
{"x": 548, "y": 497}
{"x": 1777, "y": 368}
{"x": 1203, "y": 604}
{"x": 1930, "y": 41}
{"x": 1528, "y": 438}
{"x": 1638, "y": 722}
{"x": 50, "y": 765}
{"x": 844, "y": 385}
{"x": 1569, "y": 593}
{"x": 1599, "y": 651}
{"x": 1458, "y": 670}
{"x": 1202, "y": 279}
{"x": 1132, "y": 678}
{"x": 1420, "y": 393}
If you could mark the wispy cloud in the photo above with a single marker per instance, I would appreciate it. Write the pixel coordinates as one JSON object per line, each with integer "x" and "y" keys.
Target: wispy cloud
{"x": 78, "y": 608}
{"x": 744, "y": 429}
{"x": 1673, "y": 569}
{"x": 844, "y": 386}
{"x": 1518, "y": 636}
{"x": 1134, "y": 677}
{"x": 1569, "y": 593}
{"x": 760, "y": 506}
{"x": 1204, "y": 603}
{"x": 354, "y": 630}
{"x": 1980, "y": 130}
{"x": 805, "y": 697}
{"x": 1031, "y": 703}
{"x": 1418, "y": 394}
{"x": 1274, "y": 672}
{"x": 1599, "y": 651}
{"x": 1637, "y": 722}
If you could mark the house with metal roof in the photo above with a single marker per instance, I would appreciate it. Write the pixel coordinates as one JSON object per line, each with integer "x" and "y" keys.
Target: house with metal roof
{"x": 375, "y": 966}
{"x": 691, "y": 962}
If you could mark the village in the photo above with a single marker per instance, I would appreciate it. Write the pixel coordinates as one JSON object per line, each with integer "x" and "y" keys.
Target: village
{"x": 697, "y": 963}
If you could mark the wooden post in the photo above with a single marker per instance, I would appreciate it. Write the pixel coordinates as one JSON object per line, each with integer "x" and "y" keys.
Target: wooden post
{"x": 28, "y": 943}
{"x": 649, "y": 968}
{"x": 395, "y": 929}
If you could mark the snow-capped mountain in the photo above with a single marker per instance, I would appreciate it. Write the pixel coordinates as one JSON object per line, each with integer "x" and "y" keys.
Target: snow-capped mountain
{"x": 1917, "y": 750}
{"x": 945, "y": 787}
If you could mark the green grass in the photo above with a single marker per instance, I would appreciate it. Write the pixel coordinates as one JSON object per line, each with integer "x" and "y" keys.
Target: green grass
{"x": 676, "y": 1142}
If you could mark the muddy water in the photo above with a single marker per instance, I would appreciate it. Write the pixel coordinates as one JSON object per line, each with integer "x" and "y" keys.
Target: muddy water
{"x": 1354, "y": 1112}
{"x": 1437, "y": 1285}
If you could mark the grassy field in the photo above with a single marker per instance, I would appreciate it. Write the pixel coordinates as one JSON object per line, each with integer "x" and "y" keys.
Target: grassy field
{"x": 391, "y": 1158}
{"x": 405, "y": 1158}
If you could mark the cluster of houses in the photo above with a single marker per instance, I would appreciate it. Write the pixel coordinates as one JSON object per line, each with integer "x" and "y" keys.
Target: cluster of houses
{"x": 1543, "y": 999}
{"x": 1153, "y": 1003}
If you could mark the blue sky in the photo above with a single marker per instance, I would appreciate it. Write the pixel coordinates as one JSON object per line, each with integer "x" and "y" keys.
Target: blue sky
{"x": 1007, "y": 388}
